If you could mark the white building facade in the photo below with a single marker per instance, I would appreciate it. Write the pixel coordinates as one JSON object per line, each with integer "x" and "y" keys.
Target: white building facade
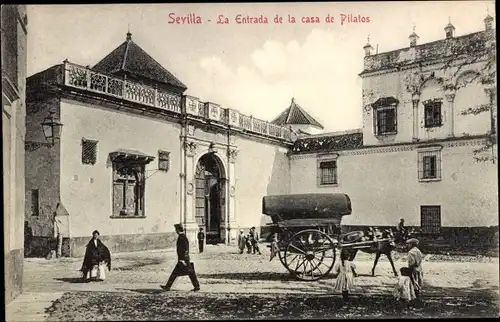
{"x": 136, "y": 155}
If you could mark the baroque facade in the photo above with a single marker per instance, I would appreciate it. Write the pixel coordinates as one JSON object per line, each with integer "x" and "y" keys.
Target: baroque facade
{"x": 427, "y": 149}
{"x": 14, "y": 41}
{"x": 137, "y": 155}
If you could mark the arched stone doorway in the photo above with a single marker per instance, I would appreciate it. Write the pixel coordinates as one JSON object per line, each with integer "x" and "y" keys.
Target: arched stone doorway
{"x": 210, "y": 197}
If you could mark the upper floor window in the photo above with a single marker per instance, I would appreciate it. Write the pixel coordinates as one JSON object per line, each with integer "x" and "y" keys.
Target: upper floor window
{"x": 89, "y": 151}
{"x": 163, "y": 160}
{"x": 429, "y": 164}
{"x": 35, "y": 202}
{"x": 432, "y": 113}
{"x": 129, "y": 183}
{"x": 385, "y": 116}
{"x": 327, "y": 172}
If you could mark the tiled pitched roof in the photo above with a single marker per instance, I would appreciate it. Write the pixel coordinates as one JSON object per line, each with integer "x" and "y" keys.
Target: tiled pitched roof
{"x": 328, "y": 143}
{"x": 130, "y": 58}
{"x": 295, "y": 115}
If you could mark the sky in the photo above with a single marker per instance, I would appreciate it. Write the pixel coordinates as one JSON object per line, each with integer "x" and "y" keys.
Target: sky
{"x": 253, "y": 68}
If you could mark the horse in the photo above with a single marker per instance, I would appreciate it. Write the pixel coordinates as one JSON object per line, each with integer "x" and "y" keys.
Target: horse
{"x": 378, "y": 248}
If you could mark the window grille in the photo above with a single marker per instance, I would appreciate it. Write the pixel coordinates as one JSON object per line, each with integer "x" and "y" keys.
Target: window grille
{"x": 163, "y": 160}
{"x": 385, "y": 121}
{"x": 432, "y": 113}
{"x": 328, "y": 172}
{"x": 35, "y": 202}
{"x": 89, "y": 152}
{"x": 429, "y": 165}
{"x": 430, "y": 219}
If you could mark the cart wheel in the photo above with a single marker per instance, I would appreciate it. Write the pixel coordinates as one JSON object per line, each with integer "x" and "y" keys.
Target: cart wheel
{"x": 310, "y": 255}
{"x": 281, "y": 255}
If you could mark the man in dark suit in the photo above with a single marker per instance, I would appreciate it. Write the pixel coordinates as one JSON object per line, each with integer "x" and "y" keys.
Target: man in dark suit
{"x": 254, "y": 241}
{"x": 184, "y": 265}
{"x": 201, "y": 240}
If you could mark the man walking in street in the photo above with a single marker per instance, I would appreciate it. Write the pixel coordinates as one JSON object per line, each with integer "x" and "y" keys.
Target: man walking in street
{"x": 254, "y": 241}
{"x": 201, "y": 240}
{"x": 184, "y": 265}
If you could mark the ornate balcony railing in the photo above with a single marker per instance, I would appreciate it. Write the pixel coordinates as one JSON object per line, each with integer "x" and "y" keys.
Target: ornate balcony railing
{"x": 84, "y": 78}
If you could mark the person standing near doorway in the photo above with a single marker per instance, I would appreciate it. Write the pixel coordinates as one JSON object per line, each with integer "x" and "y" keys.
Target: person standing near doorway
{"x": 60, "y": 222}
{"x": 184, "y": 265}
{"x": 201, "y": 240}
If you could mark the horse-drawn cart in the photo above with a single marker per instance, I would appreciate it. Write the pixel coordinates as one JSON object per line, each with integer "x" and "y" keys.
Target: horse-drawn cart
{"x": 306, "y": 232}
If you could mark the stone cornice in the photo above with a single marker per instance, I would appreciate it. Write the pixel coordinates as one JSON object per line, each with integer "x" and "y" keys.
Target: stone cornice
{"x": 455, "y": 142}
{"x": 416, "y": 65}
{"x": 9, "y": 89}
{"x": 138, "y": 109}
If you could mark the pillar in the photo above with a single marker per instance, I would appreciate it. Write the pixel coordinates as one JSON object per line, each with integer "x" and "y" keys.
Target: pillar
{"x": 189, "y": 222}
{"x": 415, "y": 99}
{"x": 450, "y": 97}
{"x": 232, "y": 225}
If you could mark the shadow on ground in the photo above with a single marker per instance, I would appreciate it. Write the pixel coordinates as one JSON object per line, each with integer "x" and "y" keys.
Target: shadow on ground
{"x": 151, "y": 304}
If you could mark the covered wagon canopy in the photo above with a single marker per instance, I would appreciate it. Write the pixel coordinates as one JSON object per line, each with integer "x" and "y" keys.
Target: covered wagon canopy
{"x": 307, "y": 206}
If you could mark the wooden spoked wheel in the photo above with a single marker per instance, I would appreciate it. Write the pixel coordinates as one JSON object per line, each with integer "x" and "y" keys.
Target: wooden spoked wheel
{"x": 310, "y": 255}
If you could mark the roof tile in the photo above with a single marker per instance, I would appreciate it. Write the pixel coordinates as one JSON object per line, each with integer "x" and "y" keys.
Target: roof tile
{"x": 130, "y": 58}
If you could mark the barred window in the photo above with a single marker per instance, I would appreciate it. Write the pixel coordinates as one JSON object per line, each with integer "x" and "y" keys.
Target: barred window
{"x": 35, "y": 202}
{"x": 430, "y": 219}
{"x": 429, "y": 165}
{"x": 327, "y": 172}
{"x": 163, "y": 160}
{"x": 385, "y": 120}
{"x": 89, "y": 151}
{"x": 432, "y": 114}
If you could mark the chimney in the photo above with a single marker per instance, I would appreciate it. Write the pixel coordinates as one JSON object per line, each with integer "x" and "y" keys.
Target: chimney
{"x": 413, "y": 38}
{"x": 488, "y": 23}
{"x": 449, "y": 30}
{"x": 368, "y": 48}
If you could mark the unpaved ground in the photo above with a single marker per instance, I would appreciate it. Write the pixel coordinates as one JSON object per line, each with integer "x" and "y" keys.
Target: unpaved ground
{"x": 234, "y": 285}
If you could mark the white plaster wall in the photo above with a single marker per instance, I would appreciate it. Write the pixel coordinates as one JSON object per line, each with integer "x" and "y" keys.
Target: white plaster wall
{"x": 261, "y": 169}
{"x": 397, "y": 84}
{"x": 90, "y": 204}
{"x": 384, "y": 187}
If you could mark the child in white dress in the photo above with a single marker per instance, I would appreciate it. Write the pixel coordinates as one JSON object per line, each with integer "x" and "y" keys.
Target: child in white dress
{"x": 404, "y": 291}
{"x": 344, "y": 270}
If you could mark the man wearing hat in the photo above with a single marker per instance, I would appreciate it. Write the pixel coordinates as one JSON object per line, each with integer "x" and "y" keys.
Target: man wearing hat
{"x": 184, "y": 265}
{"x": 254, "y": 240}
{"x": 415, "y": 258}
{"x": 242, "y": 240}
{"x": 403, "y": 232}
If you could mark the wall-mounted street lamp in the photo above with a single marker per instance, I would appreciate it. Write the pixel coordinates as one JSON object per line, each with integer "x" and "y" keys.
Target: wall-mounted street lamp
{"x": 51, "y": 128}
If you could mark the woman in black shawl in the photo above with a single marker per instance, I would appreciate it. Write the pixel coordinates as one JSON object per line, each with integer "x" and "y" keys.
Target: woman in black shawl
{"x": 97, "y": 259}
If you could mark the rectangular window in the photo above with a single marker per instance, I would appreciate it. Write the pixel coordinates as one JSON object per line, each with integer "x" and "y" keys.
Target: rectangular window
{"x": 430, "y": 219}
{"x": 163, "y": 160}
{"x": 35, "y": 202}
{"x": 385, "y": 121}
{"x": 429, "y": 165}
{"x": 432, "y": 114}
{"x": 128, "y": 189}
{"x": 327, "y": 172}
{"x": 89, "y": 151}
